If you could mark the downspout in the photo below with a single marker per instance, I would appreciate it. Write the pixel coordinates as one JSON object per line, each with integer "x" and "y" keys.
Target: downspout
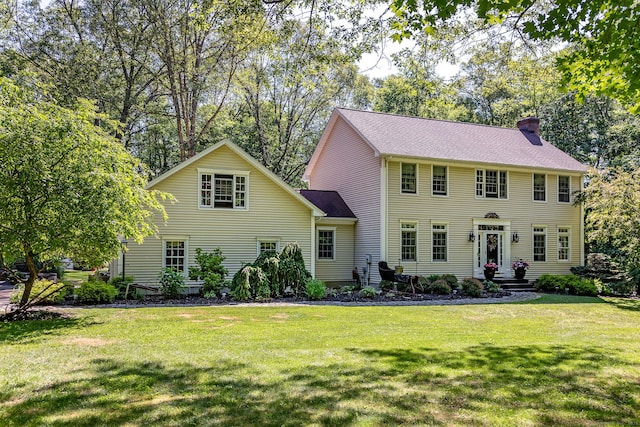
{"x": 384, "y": 198}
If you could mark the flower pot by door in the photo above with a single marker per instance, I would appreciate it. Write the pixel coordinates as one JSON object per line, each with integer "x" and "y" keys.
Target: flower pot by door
{"x": 489, "y": 273}
{"x": 519, "y": 273}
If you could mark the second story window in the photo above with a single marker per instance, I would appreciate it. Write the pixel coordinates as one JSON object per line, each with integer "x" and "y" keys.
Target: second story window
{"x": 564, "y": 189}
{"x": 491, "y": 184}
{"x": 539, "y": 187}
{"x": 409, "y": 178}
{"x": 439, "y": 179}
{"x": 223, "y": 191}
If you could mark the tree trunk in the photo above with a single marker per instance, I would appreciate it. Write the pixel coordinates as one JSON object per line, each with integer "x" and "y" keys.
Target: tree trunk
{"x": 28, "y": 285}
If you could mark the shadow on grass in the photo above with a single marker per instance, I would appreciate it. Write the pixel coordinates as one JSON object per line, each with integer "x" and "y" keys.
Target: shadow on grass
{"x": 632, "y": 304}
{"x": 562, "y": 299}
{"x": 482, "y": 386}
{"x": 27, "y": 331}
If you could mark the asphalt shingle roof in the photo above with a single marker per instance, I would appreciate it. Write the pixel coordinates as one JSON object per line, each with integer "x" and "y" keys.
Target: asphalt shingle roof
{"x": 330, "y": 202}
{"x": 417, "y": 137}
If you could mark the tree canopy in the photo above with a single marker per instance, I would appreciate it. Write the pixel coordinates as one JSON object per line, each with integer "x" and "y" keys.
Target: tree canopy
{"x": 602, "y": 36}
{"x": 68, "y": 187}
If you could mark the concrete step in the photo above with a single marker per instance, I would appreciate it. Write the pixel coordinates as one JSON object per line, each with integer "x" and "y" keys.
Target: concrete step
{"x": 517, "y": 287}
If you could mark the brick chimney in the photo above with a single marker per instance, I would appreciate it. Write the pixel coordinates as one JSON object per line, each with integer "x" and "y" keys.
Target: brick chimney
{"x": 529, "y": 124}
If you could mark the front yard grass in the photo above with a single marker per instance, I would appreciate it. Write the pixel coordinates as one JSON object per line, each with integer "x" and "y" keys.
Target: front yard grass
{"x": 561, "y": 361}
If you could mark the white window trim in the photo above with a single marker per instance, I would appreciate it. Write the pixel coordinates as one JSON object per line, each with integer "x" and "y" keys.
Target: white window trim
{"x": 546, "y": 242}
{"x": 417, "y": 165}
{"x": 415, "y": 224}
{"x": 484, "y": 182}
{"x": 184, "y": 239}
{"x": 261, "y": 240}
{"x": 569, "y": 235}
{"x": 533, "y": 188}
{"x": 558, "y": 190}
{"x": 446, "y": 174}
{"x": 335, "y": 237}
{"x": 234, "y": 173}
{"x": 446, "y": 231}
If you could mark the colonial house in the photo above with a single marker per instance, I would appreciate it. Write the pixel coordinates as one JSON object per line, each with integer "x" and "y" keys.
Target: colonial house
{"x": 432, "y": 196}
{"x": 442, "y": 197}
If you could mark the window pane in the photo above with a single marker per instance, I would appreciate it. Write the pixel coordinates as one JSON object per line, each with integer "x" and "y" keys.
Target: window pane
{"x": 563, "y": 189}
{"x": 268, "y": 247}
{"x": 440, "y": 180}
{"x": 325, "y": 244}
{"x": 539, "y": 244}
{"x": 491, "y": 184}
{"x": 205, "y": 190}
{"x": 408, "y": 242}
{"x": 240, "y": 197}
{"x": 409, "y": 178}
{"x": 563, "y": 244}
{"x": 539, "y": 192}
{"x": 479, "y": 183}
{"x": 174, "y": 255}
{"x": 223, "y": 191}
{"x": 439, "y": 244}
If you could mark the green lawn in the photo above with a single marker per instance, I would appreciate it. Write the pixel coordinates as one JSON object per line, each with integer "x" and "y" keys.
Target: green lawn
{"x": 559, "y": 361}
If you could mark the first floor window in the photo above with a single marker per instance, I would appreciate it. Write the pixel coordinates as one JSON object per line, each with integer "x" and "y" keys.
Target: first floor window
{"x": 439, "y": 242}
{"x": 491, "y": 184}
{"x": 564, "y": 189}
{"x": 563, "y": 244}
{"x": 539, "y": 187}
{"x": 539, "y": 243}
{"x": 268, "y": 246}
{"x": 326, "y": 244}
{"x": 224, "y": 191}
{"x": 409, "y": 178}
{"x": 408, "y": 243}
{"x": 174, "y": 255}
{"x": 439, "y": 180}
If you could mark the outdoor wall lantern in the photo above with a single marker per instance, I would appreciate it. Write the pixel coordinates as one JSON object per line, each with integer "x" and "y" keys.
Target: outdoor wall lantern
{"x": 472, "y": 237}
{"x": 515, "y": 238}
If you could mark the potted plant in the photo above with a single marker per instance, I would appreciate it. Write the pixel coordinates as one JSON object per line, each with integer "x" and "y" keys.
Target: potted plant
{"x": 520, "y": 268}
{"x": 490, "y": 270}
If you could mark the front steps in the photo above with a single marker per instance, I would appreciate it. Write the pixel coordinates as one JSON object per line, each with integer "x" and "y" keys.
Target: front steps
{"x": 514, "y": 285}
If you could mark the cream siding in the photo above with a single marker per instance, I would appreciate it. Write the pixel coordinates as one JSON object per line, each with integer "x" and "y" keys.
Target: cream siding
{"x": 458, "y": 210}
{"x": 347, "y": 164}
{"x": 271, "y": 212}
{"x": 339, "y": 269}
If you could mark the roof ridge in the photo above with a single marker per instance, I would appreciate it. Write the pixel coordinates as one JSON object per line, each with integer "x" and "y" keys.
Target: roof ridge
{"x": 428, "y": 118}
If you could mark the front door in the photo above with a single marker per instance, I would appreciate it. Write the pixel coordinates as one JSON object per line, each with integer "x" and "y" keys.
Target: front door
{"x": 491, "y": 247}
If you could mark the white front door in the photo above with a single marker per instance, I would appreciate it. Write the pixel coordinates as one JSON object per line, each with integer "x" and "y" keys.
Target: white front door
{"x": 492, "y": 245}
{"x": 492, "y": 249}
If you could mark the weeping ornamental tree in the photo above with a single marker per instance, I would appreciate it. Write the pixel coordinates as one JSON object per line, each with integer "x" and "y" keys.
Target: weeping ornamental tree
{"x": 67, "y": 186}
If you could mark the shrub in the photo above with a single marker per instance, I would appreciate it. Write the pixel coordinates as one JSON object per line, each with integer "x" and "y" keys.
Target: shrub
{"x": 386, "y": 285}
{"x": 451, "y": 280}
{"x": 315, "y": 289}
{"x": 250, "y": 282}
{"x": 624, "y": 288}
{"x": 472, "y": 287}
{"x": 439, "y": 287}
{"x": 210, "y": 270}
{"x": 490, "y": 286}
{"x": 42, "y": 292}
{"x": 368, "y": 292}
{"x": 171, "y": 283}
{"x": 571, "y": 284}
{"x": 121, "y": 286}
{"x": 96, "y": 292}
{"x": 292, "y": 271}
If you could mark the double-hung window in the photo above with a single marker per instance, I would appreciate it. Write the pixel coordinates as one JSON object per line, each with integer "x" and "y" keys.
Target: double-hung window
{"x": 439, "y": 242}
{"x": 268, "y": 245}
{"x": 408, "y": 241}
{"x": 539, "y": 243}
{"x": 409, "y": 178}
{"x": 174, "y": 255}
{"x": 563, "y": 244}
{"x": 326, "y": 243}
{"x": 491, "y": 184}
{"x": 539, "y": 187}
{"x": 223, "y": 191}
{"x": 439, "y": 178}
{"x": 564, "y": 189}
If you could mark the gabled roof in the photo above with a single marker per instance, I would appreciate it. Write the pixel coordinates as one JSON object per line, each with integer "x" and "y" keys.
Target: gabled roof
{"x": 441, "y": 140}
{"x": 330, "y": 202}
{"x": 249, "y": 159}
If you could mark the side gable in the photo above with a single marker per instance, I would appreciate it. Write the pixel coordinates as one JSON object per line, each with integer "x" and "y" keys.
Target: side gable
{"x": 247, "y": 158}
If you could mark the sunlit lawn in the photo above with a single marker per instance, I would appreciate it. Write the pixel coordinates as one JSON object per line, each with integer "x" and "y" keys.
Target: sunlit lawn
{"x": 558, "y": 361}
